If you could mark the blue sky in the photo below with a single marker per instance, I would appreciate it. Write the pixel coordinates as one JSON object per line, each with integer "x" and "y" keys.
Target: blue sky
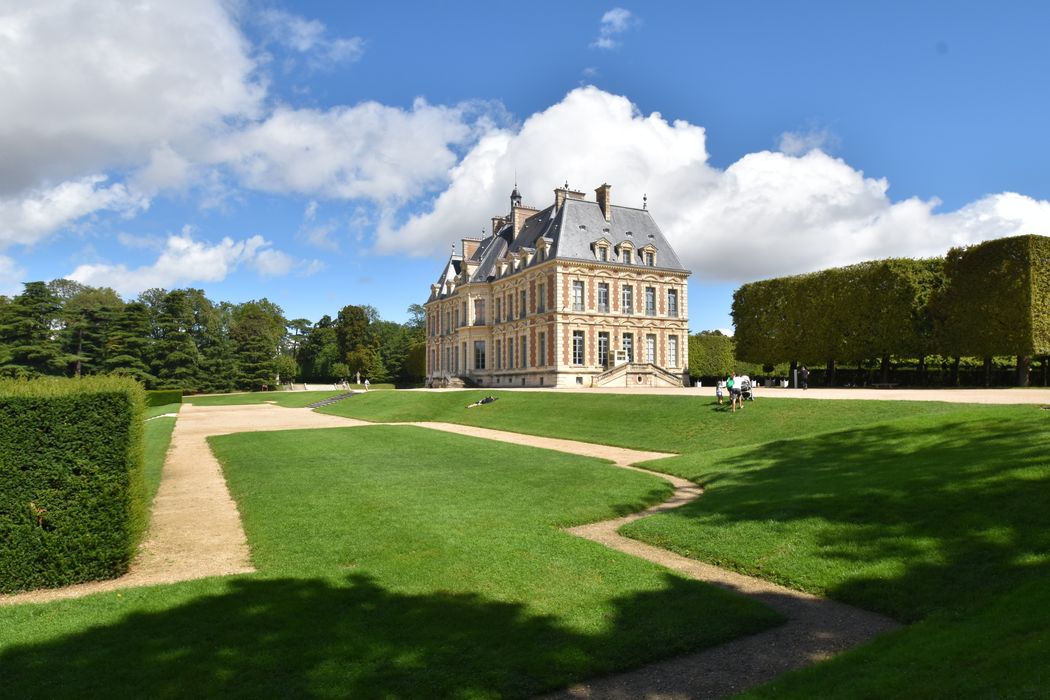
{"x": 322, "y": 154}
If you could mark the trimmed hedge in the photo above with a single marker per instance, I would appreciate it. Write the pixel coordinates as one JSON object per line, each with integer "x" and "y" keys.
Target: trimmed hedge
{"x": 72, "y": 494}
{"x": 162, "y": 397}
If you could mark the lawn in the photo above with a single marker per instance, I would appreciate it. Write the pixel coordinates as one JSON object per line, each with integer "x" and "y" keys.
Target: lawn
{"x": 928, "y": 512}
{"x": 435, "y": 569}
{"x": 399, "y": 562}
{"x": 685, "y": 423}
{"x": 287, "y": 399}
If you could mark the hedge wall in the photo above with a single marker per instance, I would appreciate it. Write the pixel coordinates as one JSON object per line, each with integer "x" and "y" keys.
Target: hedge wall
{"x": 162, "y": 397}
{"x": 72, "y": 498}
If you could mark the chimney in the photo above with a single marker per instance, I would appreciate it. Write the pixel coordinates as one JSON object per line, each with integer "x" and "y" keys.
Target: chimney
{"x": 563, "y": 193}
{"x": 470, "y": 245}
{"x": 559, "y": 196}
{"x": 497, "y": 223}
{"x": 601, "y": 195}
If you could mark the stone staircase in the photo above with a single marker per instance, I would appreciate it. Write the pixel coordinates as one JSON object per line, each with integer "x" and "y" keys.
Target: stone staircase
{"x": 637, "y": 374}
{"x": 330, "y": 400}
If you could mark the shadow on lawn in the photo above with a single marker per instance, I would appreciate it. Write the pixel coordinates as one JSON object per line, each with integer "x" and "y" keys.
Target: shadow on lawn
{"x": 311, "y": 637}
{"x": 961, "y": 511}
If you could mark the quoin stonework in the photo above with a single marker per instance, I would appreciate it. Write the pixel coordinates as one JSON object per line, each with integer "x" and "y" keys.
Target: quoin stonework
{"x": 582, "y": 293}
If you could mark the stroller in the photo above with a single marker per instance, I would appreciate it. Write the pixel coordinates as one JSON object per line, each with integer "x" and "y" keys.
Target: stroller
{"x": 746, "y": 394}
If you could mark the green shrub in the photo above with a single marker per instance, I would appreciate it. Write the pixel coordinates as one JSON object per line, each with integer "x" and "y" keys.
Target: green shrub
{"x": 72, "y": 495}
{"x": 162, "y": 397}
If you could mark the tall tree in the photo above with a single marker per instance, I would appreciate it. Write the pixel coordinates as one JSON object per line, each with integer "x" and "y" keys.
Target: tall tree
{"x": 176, "y": 360}
{"x": 256, "y": 332}
{"x": 128, "y": 345}
{"x": 88, "y": 317}
{"x": 27, "y": 333}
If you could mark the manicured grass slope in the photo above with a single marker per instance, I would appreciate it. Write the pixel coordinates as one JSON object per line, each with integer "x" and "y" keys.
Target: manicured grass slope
{"x": 394, "y": 562}
{"x": 687, "y": 423}
{"x": 909, "y": 517}
{"x": 288, "y": 399}
{"x": 999, "y": 650}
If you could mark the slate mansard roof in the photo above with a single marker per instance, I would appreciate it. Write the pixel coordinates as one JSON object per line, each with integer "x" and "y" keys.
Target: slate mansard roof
{"x": 571, "y": 232}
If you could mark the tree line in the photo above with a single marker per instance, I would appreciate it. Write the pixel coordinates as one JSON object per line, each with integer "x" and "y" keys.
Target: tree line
{"x": 181, "y": 339}
{"x": 982, "y": 301}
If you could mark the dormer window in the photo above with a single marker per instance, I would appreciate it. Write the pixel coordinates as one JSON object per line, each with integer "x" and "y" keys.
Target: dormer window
{"x": 627, "y": 257}
{"x": 648, "y": 255}
{"x": 601, "y": 249}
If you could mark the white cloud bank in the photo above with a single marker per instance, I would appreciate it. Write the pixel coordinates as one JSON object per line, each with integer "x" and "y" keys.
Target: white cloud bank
{"x": 106, "y": 106}
{"x": 767, "y": 214}
{"x": 186, "y": 261}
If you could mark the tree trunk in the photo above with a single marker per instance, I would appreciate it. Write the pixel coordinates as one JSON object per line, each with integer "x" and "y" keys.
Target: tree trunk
{"x": 792, "y": 382}
{"x": 987, "y": 371}
{"x": 1046, "y": 375}
{"x": 885, "y": 373}
{"x": 829, "y": 380}
{"x": 1024, "y": 370}
{"x": 80, "y": 347}
{"x": 955, "y": 371}
{"x": 922, "y": 370}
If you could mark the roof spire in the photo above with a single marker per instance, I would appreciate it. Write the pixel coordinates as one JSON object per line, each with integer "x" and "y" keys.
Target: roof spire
{"x": 645, "y": 201}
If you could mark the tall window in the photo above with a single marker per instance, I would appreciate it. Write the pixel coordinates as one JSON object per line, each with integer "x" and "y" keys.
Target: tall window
{"x": 496, "y": 315}
{"x": 603, "y": 297}
{"x": 448, "y": 322}
{"x": 499, "y": 354}
{"x": 522, "y": 306}
{"x": 603, "y": 254}
{"x": 650, "y": 349}
{"x": 463, "y": 314}
{"x": 649, "y": 259}
{"x": 455, "y": 319}
{"x": 672, "y": 303}
{"x": 577, "y": 347}
{"x": 510, "y": 307}
{"x": 541, "y": 350}
{"x": 523, "y": 356}
{"x": 627, "y": 299}
{"x": 650, "y": 301}
{"x": 510, "y": 353}
{"x": 577, "y": 295}
{"x": 628, "y": 346}
{"x": 479, "y": 312}
{"x": 479, "y": 354}
{"x": 541, "y": 298}
{"x": 672, "y": 351}
{"x": 603, "y": 349}
{"x": 627, "y": 256}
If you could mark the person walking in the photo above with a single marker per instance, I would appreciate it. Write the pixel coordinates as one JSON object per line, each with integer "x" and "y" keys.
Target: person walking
{"x": 803, "y": 376}
{"x": 720, "y": 388}
{"x": 366, "y": 384}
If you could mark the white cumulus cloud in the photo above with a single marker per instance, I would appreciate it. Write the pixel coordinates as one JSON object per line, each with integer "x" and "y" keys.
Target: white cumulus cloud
{"x": 89, "y": 86}
{"x": 30, "y": 218}
{"x": 187, "y": 261}
{"x": 767, "y": 214}
{"x": 614, "y": 23}
{"x": 369, "y": 151}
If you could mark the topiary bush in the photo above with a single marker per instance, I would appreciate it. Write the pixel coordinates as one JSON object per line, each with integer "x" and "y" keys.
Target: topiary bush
{"x": 72, "y": 495}
{"x": 162, "y": 397}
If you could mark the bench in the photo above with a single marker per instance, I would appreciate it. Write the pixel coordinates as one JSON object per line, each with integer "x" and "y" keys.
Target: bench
{"x": 884, "y": 385}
